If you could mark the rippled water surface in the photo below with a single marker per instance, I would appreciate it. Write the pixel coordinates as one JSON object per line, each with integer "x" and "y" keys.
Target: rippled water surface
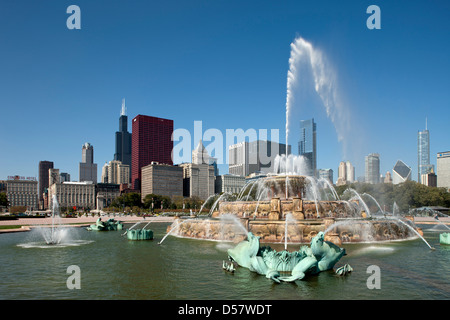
{"x": 113, "y": 267}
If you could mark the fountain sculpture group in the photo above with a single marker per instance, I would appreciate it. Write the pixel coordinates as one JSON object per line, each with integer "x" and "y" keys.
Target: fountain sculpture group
{"x": 321, "y": 256}
{"x": 108, "y": 225}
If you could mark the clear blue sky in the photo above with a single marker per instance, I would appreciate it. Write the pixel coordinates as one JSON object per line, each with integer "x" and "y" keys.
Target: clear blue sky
{"x": 222, "y": 62}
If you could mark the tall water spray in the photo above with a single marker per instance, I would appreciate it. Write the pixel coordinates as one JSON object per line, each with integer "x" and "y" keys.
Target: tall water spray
{"x": 325, "y": 85}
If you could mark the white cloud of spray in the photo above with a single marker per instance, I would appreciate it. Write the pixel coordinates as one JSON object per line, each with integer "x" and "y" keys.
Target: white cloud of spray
{"x": 325, "y": 85}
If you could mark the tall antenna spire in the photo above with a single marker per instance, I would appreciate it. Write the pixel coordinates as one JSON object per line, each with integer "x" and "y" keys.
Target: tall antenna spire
{"x": 124, "y": 109}
{"x": 426, "y": 123}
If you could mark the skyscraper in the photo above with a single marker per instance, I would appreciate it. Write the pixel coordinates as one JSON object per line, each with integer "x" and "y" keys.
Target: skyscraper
{"x": 372, "y": 173}
{"x": 346, "y": 173}
{"x": 326, "y": 174}
{"x": 151, "y": 140}
{"x": 123, "y": 139}
{"x": 423, "y": 153}
{"x": 43, "y": 179}
{"x": 307, "y": 145}
{"x": 198, "y": 176}
{"x": 88, "y": 169}
{"x": 115, "y": 172}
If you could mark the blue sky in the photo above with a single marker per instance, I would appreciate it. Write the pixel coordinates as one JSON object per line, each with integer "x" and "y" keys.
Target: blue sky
{"x": 224, "y": 63}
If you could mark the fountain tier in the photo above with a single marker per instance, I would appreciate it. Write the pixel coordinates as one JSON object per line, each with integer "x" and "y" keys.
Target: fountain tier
{"x": 284, "y": 212}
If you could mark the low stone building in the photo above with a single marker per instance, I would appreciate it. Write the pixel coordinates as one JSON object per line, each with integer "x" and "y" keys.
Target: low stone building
{"x": 21, "y": 192}
{"x": 161, "y": 179}
{"x": 80, "y": 195}
{"x": 230, "y": 183}
{"x": 105, "y": 194}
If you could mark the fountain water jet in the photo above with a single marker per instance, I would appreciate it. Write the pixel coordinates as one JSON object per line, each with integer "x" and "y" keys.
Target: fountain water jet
{"x": 374, "y": 200}
{"x": 174, "y": 228}
{"x": 415, "y": 231}
{"x": 55, "y": 235}
{"x": 358, "y": 197}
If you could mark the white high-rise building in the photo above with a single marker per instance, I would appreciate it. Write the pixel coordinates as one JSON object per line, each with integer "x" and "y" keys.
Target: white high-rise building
{"x": 198, "y": 176}
{"x": 346, "y": 173}
{"x": 443, "y": 169}
{"x": 115, "y": 172}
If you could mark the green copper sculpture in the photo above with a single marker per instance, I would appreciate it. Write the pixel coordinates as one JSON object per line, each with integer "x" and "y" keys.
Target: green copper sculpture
{"x": 140, "y": 234}
{"x": 444, "y": 238}
{"x": 321, "y": 256}
{"x": 111, "y": 224}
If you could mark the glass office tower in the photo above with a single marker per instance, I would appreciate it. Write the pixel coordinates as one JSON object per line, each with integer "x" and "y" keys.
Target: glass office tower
{"x": 423, "y": 153}
{"x": 372, "y": 173}
{"x": 307, "y": 145}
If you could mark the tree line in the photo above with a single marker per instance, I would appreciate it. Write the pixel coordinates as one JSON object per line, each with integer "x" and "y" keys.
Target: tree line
{"x": 407, "y": 195}
{"x": 153, "y": 203}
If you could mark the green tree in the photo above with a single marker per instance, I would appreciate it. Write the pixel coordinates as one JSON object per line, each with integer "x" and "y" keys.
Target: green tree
{"x": 406, "y": 195}
{"x": 127, "y": 200}
{"x": 3, "y": 200}
{"x": 157, "y": 201}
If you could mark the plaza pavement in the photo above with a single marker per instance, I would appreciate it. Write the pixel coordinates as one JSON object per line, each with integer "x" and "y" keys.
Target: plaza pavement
{"x": 27, "y": 223}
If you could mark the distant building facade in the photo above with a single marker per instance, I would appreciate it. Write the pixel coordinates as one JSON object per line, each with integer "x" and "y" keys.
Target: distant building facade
{"x": 326, "y": 174}
{"x": 105, "y": 194}
{"x": 64, "y": 177}
{"x": 229, "y": 183}
{"x": 22, "y": 193}
{"x": 115, "y": 172}
{"x": 388, "y": 177}
{"x": 246, "y": 158}
{"x": 151, "y": 140}
{"x": 43, "y": 180}
{"x": 429, "y": 179}
{"x": 307, "y": 145}
{"x": 346, "y": 173}
{"x": 88, "y": 169}
{"x": 161, "y": 179}
{"x": 443, "y": 169}
{"x": 80, "y": 195}
{"x": 198, "y": 176}
{"x": 372, "y": 172}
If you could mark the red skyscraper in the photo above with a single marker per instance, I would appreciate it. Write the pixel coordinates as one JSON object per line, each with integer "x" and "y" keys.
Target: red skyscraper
{"x": 151, "y": 140}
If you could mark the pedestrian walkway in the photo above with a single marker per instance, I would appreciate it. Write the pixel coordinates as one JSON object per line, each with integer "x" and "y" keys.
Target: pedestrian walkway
{"x": 27, "y": 223}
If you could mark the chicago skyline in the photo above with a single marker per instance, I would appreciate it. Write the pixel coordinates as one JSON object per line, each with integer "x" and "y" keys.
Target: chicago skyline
{"x": 385, "y": 96}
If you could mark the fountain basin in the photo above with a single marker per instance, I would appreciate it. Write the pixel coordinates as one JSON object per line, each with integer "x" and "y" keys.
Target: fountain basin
{"x": 337, "y": 231}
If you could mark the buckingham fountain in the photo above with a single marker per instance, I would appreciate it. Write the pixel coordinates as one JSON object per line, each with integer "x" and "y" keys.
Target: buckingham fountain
{"x": 294, "y": 208}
